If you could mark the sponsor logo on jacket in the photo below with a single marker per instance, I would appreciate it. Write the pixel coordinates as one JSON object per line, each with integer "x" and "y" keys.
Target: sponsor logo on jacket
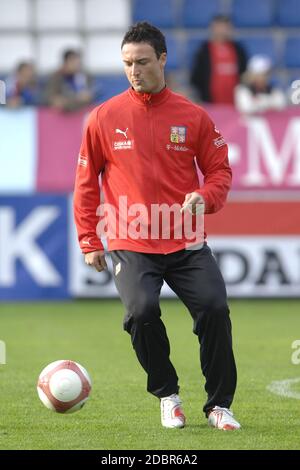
{"x": 219, "y": 141}
{"x": 82, "y": 161}
{"x": 177, "y": 148}
{"x": 125, "y": 143}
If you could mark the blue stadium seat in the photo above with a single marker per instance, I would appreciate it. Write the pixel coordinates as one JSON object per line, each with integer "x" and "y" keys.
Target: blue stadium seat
{"x": 289, "y": 13}
{"x": 260, "y": 45}
{"x": 253, "y": 13}
{"x": 292, "y": 76}
{"x": 292, "y": 52}
{"x": 174, "y": 52}
{"x": 107, "y": 86}
{"x": 278, "y": 81}
{"x": 192, "y": 45}
{"x": 160, "y": 13}
{"x": 198, "y": 13}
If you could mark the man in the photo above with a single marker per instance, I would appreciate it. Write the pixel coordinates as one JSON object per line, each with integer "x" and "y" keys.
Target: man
{"x": 219, "y": 64}
{"x": 143, "y": 143}
{"x": 69, "y": 88}
{"x": 22, "y": 86}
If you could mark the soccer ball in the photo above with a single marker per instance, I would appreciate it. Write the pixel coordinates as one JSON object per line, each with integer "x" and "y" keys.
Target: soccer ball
{"x": 64, "y": 386}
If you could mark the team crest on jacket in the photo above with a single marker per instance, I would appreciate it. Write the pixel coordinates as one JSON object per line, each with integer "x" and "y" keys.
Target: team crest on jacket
{"x": 178, "y": 134}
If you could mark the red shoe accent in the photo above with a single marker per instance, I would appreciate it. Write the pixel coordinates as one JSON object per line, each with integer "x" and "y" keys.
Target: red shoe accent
{"x": 228, "y": 427}
{"x": 178, "y": 413}
{"x": 219, "y": 418}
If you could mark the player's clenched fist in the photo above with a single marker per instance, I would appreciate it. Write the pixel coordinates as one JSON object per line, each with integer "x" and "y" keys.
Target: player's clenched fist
{"x": 96, "y": 259}
{"x": 194, "y": 203}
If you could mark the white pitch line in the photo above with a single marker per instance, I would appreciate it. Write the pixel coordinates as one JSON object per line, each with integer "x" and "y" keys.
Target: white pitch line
{"x": 283, "y": 388}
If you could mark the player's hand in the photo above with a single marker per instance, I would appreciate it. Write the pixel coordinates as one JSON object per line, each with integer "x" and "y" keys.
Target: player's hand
{"x": 96, "y": 259}
{"x": 194, "y": 203}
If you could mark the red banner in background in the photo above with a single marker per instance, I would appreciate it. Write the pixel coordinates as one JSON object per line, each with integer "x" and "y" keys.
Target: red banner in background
{"x": 264, "y": 150}
{"x": 255, "y": 218}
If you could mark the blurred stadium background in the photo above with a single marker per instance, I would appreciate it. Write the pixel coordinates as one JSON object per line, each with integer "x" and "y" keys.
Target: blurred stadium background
{"x": 256, "y": 237}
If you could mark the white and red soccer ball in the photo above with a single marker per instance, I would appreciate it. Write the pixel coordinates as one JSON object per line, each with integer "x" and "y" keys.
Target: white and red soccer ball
{"x": 64, "y": 386}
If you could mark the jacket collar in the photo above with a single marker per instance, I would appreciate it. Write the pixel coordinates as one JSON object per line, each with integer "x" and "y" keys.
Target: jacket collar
{"x": 154, "y": 99}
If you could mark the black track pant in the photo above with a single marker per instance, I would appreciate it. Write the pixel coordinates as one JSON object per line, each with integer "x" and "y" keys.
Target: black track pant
{"x": 195, "y": 277}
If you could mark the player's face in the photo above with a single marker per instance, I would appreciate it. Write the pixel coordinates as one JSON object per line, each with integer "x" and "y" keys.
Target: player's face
{"x": 143, "y": 69}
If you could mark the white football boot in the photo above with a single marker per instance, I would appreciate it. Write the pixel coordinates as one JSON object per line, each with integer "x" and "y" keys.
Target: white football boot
{"x": 222, "y": 418}
{"x": 172, "y": 415}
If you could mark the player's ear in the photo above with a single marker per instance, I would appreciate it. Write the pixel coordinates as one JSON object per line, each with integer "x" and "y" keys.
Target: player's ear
{"x": 163, "y": 59}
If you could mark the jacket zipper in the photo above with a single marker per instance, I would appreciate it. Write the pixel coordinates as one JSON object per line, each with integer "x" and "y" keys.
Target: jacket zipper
{"x": 153, "y": 156}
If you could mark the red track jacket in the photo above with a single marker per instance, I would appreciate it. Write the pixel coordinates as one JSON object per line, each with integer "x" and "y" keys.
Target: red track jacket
{"x": 145, "y": 146}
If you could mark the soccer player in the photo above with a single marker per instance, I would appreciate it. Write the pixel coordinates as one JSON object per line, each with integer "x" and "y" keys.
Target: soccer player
{"x": 144, "y": 143}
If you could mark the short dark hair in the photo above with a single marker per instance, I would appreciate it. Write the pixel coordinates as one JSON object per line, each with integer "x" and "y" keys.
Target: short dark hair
{"x": 146, "y": 32}
{"x": 70, "y": 53}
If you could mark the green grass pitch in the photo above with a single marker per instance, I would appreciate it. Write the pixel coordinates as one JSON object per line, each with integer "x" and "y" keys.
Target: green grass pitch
{"x": 120, "y": 413}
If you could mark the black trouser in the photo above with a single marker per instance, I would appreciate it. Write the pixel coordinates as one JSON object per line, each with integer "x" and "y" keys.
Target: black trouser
{"x": 195, "y": 277}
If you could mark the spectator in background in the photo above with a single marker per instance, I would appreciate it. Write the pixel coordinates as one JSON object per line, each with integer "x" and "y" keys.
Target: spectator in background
{"x": 69, "y": 88}
{"x": 218, "y": 64}
{"x": 256, "y": 94}
{"x": 22, "y": 86}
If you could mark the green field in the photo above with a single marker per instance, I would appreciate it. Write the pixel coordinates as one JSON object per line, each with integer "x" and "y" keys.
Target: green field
{"x": 120, "y": 414}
